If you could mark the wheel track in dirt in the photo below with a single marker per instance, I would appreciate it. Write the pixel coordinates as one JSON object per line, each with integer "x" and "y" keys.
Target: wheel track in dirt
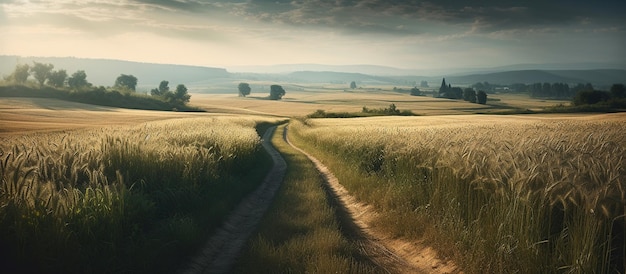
{"x": 221, "y": 250}
{"x": 392, "y": 255}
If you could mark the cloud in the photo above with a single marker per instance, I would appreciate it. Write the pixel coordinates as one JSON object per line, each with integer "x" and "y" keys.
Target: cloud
{"x": 384, "y": 16}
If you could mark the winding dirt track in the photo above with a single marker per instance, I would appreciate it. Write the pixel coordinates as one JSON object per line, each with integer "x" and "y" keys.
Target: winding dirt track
{"x": 221, "y": 250}
{"x": 391, "y": 255}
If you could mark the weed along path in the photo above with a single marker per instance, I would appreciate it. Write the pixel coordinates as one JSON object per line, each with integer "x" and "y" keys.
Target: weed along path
{"x": 393, "y": 255}
{"x": 221, "y": 250}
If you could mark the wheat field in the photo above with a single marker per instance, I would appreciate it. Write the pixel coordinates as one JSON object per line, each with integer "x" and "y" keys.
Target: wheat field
{"x": 509, "y": 194}
{"x": 131, "y": 198}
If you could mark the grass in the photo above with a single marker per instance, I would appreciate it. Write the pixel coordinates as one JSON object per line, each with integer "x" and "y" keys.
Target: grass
{"x": 502, "y": 194}
{"x": 300, "y": 233}
{"x": 124, "y": 199}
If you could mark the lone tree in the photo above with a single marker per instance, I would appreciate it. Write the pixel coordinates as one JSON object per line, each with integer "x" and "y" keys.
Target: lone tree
{"x": 276, "y": 92}
{"x": 353, "y": 85}
{"x": 41, "y": 71}
{"x": 162, "y": 90}
{"x": 481, "y": 97}
{"x": 78, "y": 80}
{"x": 57, "y": 78}
{"x": 244, "y": 89}
{"x": 20, "y": 74}
{"x": 181, "y": 95}
{"x": 416, "y": 91}
{"x": 126, "y": 81}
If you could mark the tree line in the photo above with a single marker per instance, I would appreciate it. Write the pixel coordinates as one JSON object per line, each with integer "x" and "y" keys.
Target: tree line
{"x": 467, "y": 94}
{"x": 123, "y": 93}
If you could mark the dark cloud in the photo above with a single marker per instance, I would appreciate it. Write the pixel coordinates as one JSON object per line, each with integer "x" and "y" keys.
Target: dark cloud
{"x": 402, "y": 17}
{"x": 385, "y": 16}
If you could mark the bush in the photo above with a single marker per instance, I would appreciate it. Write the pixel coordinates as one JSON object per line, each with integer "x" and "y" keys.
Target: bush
{"x": 590, "y": 97}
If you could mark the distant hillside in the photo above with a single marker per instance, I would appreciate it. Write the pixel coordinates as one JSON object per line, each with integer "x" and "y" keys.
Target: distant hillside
{"x": 337, "y": 77}
{"x": 601, "y": 77}
{"x": 208, "y": 79}
{"x": 289, "y": 68}
{"x": 104, "y": 72}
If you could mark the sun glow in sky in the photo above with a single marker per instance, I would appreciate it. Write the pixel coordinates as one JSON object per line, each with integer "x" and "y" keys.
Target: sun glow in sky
{"x": 412, "y": 34}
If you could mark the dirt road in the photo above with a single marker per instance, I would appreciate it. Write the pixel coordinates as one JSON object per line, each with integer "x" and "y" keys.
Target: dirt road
{"x": 393, "y": 255}
{"x": 221, "y": 250}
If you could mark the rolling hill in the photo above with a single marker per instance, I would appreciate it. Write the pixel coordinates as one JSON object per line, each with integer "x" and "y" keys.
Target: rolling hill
{"x": 210, "y": 79}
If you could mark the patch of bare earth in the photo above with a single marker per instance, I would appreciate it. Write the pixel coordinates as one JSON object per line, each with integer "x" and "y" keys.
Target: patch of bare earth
{"x": 395, "y": 255}
{"x": 221, "y": 250}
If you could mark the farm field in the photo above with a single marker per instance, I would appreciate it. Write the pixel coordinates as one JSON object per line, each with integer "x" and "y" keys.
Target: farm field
{"x": 493, "y": 193}
{"x": 540, "y": 193}
{"x": 305, "y": 100}
{"x": 90, "y": 189}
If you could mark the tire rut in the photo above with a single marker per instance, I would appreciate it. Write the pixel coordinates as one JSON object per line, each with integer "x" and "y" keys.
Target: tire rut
{"x": 221, "y": 250}
{"x": 392, "y": 255}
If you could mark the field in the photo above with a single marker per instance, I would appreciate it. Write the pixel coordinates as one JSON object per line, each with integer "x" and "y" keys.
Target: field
{"x": 303, "y": 100}
{"x": 509, "y": 193}
{"x": 98, "y": 190}
{"x": 515, "y": 193}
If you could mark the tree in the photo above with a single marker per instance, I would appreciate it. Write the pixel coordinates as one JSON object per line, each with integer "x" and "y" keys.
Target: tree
{"x": 181, "y": 94}
{"x": 78, "y": 80}
{"x": 244, "y": 89}
{"x": 41, "y": 71}
{"x": 424, "y": 84}
{"x": 469, "y": 94}
{"x": 57, "y": 78}
{"x": 416, "y": 91}
{"x": 590, "y": 97}
{"x": 162, "y": 90}
{"x": 618, "y": 91}
{"x": 353, "y": 85}
{"x": 126, "y": 81}
{"x": 276, "y": 92}
{"x": 453, "y": 93}
{"x": 20, "y": 74}
{"x": 481, "y": 97}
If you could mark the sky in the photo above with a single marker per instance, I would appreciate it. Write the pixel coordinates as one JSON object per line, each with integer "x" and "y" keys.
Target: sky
{"x": 409, "y": 34}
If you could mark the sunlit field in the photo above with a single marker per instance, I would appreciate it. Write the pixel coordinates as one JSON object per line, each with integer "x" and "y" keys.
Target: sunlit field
{"x": 18, "y": 115}
{"x": 88, "y": 188}
{"x": 93, "y": 190}
{"x": 503, "y": 194}
{"x": 302, "y": 100}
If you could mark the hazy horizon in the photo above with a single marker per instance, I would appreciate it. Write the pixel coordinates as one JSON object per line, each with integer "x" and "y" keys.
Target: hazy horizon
{"x": 409, "y": 34}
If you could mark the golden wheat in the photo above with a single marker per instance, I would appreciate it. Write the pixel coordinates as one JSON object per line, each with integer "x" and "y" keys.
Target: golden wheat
{"x": 523, "y": 177}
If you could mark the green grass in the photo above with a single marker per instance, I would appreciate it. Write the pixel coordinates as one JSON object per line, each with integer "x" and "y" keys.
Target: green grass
{"x": 301, "y": 232}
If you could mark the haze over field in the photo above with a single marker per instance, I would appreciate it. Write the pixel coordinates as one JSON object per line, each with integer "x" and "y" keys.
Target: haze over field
{"x": 408, "y": 34}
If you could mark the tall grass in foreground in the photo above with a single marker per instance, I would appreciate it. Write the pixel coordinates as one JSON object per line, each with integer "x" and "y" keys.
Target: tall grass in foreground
{"x": 300, "y": 232}
{"x": 132, "y": 199}
{"x": 504, "y": 196}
